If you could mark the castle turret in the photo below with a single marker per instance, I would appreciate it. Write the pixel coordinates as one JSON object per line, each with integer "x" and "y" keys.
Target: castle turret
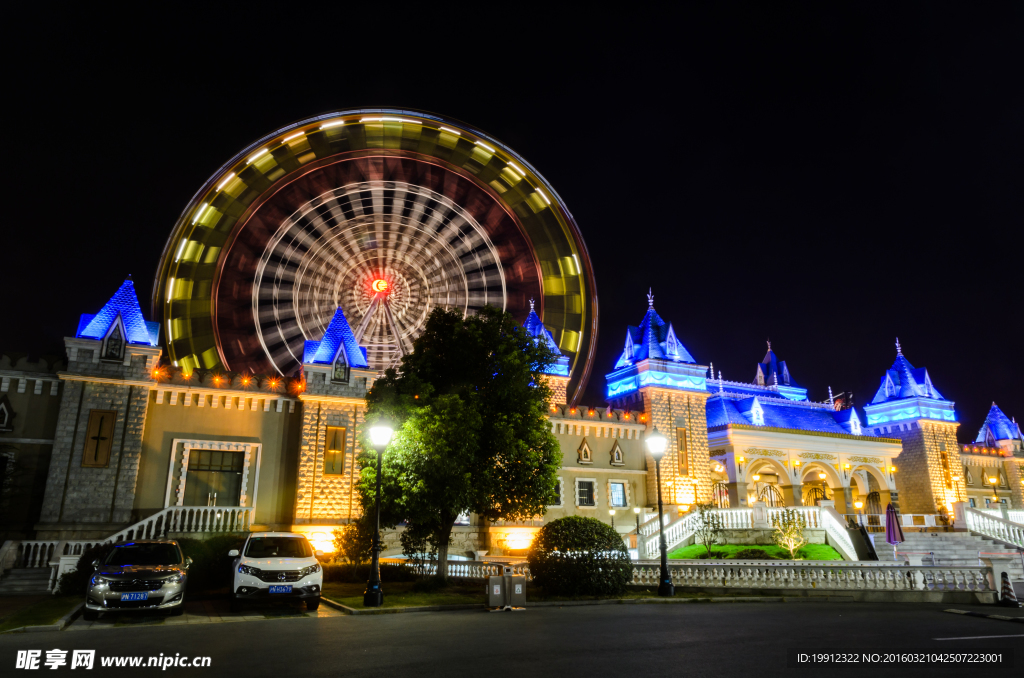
{"x": 556, "y": 374}
{"x": 909, "y": 407}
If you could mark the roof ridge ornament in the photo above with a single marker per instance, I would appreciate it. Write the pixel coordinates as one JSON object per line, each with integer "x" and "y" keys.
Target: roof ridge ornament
{"x": 531, "y": 303}
{"x": 899, "y": 351}
{"x": 650, "y": 298}
{"x": 769, "y": 345}
{"x": 831, "y": 400}
{"x": 720, "y": 389}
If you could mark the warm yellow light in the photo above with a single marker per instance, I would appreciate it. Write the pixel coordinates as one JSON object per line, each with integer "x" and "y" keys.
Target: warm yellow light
{"x": 742, "y": 460}
{"x": 755, "y": 477}
{"x": 321, "y": 541}
{"x": 858, "y": 504}
{"x": 611, "y": 512}
{"x": 993, "y": 480}
{"x": 892, "y": 469}
{"x": 846, "y": 466}
{"x": 796, "y": 462}
{"x": 380, "y": 285}
{"x": 684, "y": 508}
{"x": 637, "y": 509}
{"x": 719, "y": 468}
{"x": 822, "y": 475}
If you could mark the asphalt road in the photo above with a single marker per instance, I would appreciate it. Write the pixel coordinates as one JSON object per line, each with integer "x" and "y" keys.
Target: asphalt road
{"x": 736, "y": 639}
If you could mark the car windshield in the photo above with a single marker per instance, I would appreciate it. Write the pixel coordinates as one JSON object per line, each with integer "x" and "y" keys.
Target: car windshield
{"x": 278, "y": 547}
{"x": 144, "y": 554}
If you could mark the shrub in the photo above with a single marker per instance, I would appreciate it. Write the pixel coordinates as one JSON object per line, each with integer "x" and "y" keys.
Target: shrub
{"x": 577, "y": 556}
{"x": 74, "y": 582}
{"x": 347, "y": 573}
{"x": 211, "y": 564}
{"x": 789, "y": 531}
{"x": 753, "y": 554}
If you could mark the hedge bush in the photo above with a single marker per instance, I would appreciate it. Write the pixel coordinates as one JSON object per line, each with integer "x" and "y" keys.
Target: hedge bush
{"x": 576, "y": 556}
{"x": 348, "y": 573}
{"x": 73, "y": 583}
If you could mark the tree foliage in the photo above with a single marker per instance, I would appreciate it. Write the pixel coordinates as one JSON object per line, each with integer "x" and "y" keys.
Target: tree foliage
{"x": 577, "y": 556}
{"x": 709, "y": 530}
{"x": 471, "y": 434}
{"x": 789, "y": 530}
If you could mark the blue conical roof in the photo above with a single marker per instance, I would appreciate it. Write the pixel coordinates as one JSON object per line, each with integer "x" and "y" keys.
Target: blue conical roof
{"x": 998, "y": 426}
{"x": 125, "y": 304}
{"x": 903, "y": 380}
{"x": 338, "y": 336}
{"x": 654, "y": 338}
{"x": 535, "y": 328}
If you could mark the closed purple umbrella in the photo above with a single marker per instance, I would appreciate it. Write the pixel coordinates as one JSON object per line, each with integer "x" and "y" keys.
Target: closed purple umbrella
{"x": 893, "y": 531}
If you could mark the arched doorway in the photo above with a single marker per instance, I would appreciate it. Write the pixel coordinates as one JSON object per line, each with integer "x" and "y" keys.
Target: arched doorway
{"x": 771, "y": 495}
{"x": 720, "y": 495}
{"x": 815, "y": 493}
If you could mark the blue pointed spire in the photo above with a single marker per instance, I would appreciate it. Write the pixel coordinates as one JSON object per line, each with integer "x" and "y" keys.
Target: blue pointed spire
{"x": 337, "y": 337}
{"x": 125, "y": 304}
{"x": 535, "y": 328}
{"x": 998, "y": 426}
{"x": 654, "y": 338}
{"x": 906, "y": 393}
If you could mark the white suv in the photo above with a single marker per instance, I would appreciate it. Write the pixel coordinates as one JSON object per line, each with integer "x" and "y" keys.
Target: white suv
{"x": 276, "y": 565}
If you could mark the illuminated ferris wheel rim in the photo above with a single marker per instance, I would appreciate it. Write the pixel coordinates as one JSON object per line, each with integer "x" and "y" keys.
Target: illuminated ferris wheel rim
{"x": 385, "y": 132}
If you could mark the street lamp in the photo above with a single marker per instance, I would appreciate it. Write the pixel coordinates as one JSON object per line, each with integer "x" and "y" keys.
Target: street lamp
{"x": 611, "y": 512}
{"x": 380, "y": 436}
{"x": 656, "y": 444}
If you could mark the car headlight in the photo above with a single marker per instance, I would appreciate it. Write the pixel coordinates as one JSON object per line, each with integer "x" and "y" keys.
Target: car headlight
{"x": 175, "y": 579}
{"x": 98, "y": 580}
{"x": 245, "y": 569}
{"x": 309, "y": 570}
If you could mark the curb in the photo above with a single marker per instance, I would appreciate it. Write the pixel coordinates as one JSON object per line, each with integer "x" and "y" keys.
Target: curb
{"x": 612, "y": 601}
{"x": 1000, "y": 617}
{"x": 61, "y": 624}
{"x": 397, "y": 610}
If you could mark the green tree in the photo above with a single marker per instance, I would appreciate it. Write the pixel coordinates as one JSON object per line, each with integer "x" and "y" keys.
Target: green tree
{"x": 472, "y": 435}
{"x": 709, "y": 530}
{"x": 789, "y": 531}
{"x": 353, "y": 541}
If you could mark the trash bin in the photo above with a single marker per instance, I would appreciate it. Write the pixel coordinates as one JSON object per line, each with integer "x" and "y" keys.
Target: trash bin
{"x": 506, "y": 592}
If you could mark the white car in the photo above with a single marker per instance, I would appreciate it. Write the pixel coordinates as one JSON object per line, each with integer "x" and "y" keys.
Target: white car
{"x": 276, "y": 565}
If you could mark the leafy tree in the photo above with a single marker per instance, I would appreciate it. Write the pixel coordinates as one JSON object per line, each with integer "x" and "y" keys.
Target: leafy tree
{"x": 709, "y": 529}
{"x": 354, "y": 541}
{"x": 789, "y": 530}
{"x": 469, "y": 406}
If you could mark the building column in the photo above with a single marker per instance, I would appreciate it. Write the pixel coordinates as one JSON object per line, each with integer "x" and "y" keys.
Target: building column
{"x": 737, "y": 494}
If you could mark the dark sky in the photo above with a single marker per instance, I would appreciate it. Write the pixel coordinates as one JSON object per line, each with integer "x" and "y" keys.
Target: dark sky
{"x": 829, "y": 176}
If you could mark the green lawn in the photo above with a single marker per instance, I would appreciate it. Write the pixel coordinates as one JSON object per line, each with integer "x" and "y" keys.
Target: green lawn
{"x": 808, "y": 552}
{"x": 42, "y": 613}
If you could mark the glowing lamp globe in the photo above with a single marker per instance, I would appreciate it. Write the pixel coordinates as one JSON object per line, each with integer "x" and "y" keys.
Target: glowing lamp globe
{"x": 656, "y": 444}
{"x": 822, "y": 475}
{"x": 380, "y": 285}
{"x": 380, "y": 435}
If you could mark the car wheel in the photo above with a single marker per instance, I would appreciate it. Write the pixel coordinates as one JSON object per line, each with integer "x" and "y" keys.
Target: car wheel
{"x": 313, "y": 603}
{"x": 90, "y": 615}
{"x": 236, "y": 604}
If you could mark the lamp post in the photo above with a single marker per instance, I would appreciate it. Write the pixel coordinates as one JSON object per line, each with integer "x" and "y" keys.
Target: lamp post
{"x": 380, "y": 436}
{"x": 611, "y": 512}
{"x": 656, "y": 444}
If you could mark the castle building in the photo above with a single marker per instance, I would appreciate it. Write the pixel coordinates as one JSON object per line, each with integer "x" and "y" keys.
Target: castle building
{"x": 308, "y": 264}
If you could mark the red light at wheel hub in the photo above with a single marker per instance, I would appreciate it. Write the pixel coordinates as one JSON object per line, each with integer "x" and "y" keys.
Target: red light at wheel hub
{"x": 380, "y": 285}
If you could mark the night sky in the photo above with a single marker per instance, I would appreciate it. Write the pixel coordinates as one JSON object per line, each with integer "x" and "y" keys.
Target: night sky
{"x": 828, "y": 177}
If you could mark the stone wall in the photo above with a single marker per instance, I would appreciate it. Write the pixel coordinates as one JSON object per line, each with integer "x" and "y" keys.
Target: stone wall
{"x": 320, "y": 498}
{"x": 78, "y": 494}
{"x": 920, "y": 477}
{"x": 668, "y": 410}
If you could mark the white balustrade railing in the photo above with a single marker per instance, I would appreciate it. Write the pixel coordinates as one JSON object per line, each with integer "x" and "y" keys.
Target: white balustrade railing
{"x": 818, "y": 575}
{"x": 810, "y": 514}
{"x": 988, "y": 525}
{"x": 464, "y": 569}
{"x": 829, "y": 575}
{"x": 920, "y": 520}
{"x": 736, "y": 519}
{"x": 186, "y": 520}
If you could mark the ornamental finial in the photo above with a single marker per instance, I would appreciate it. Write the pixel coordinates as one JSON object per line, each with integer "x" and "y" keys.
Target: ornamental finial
{"x": 531, "y": 303}
{"x": 769, "y": 345}
{"x": 720, "y": 389}
{"x": 650, "y": 297}
{"x": 711, "y": 367}
{"x": 831, "y": 401}
{"x": 899, "y": 351}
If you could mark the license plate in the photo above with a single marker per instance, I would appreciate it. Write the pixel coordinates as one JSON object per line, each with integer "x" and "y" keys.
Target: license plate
{"x": 281, "y": 589}
{"x": 134, "y": 596}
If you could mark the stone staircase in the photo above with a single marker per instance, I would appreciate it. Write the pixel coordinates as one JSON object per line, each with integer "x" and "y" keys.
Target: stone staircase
{"x": 26, "y": 581}
{"x": 952, "y": 548}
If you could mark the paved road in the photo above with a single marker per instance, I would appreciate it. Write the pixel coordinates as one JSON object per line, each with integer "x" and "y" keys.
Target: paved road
{"x": 737, "y": 639}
